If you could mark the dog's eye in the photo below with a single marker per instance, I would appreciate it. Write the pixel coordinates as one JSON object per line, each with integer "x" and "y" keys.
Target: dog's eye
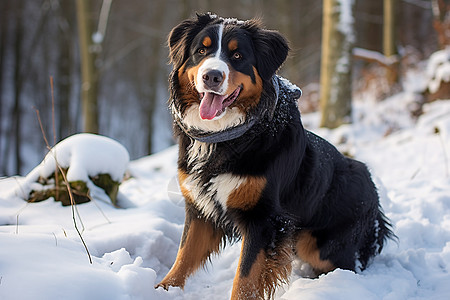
{"x": 237, "y": 55}
{"x": 201, "y": 51}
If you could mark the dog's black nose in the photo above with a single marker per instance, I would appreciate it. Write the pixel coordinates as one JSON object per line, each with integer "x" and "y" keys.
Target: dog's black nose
{"x": 212, "y": 78}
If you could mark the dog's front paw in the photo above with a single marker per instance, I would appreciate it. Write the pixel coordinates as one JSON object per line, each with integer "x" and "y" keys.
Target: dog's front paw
{"x": 163, "y": 285}
{"x": 168, "y": 282}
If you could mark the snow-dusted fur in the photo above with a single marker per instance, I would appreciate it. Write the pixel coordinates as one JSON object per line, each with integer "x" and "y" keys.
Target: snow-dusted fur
{"x": 282, "y": 189}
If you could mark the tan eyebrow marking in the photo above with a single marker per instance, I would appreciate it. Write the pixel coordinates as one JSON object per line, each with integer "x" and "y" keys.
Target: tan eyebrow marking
{"x": 233, "y": 45}
{"x": 207, "y": 41}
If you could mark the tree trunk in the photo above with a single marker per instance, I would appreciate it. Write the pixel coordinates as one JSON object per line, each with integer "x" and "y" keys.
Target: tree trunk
{"x": 336, "y": 64}
{"x": 389, "y": 48}
{"x": 3, "y": 33}
{"x": 89, "y": 73}
{"x": 155, "y": 69}
{"x": 65, "y": 69}
{"x": 17, "y": 111}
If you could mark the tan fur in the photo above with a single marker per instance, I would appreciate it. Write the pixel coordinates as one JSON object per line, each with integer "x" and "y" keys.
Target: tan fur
{"x": 224, "y": 185}
{"x": 200, "y": 241}
{"x": 251, "y": 92}
{"x": 308, "y": 251}
{"x": 187, "y": 88}
{"x": 267, "y": 273}
{"x": 233, "y": 45}
{"x": 246, "y": 196}
{"x": 192, "y": 72}
{"x": 207, "y": 41}
{"x": 182, "y": 176}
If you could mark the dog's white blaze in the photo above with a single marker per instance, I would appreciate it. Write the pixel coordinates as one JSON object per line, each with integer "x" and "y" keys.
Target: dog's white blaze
{"x": 230, "y": 118}
{"x": 214, "y": 63}
{"x": 220, "y": 35}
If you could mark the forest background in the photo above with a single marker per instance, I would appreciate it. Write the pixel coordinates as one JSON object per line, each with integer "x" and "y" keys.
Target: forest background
{"x": 40, "y": 56}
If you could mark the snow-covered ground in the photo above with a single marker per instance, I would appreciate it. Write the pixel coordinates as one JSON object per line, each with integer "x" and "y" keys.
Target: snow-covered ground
{"x": 42, "y": 257}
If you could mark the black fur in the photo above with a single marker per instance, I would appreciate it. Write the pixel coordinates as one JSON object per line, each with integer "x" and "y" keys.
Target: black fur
{"x": 310, "y": 185}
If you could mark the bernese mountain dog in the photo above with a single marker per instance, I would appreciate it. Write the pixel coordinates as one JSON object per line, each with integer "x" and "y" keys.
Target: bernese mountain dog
{"x": 249, "y": 171}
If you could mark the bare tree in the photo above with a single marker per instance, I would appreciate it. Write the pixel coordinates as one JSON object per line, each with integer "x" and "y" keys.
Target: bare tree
{"x": 154, "y": 70}
{"x": 336, "y": 65}
{"x": 389, "y": 46}
{"x": 18, "y": 83}
{"x": 89, "y": 73}
{"x": 65, "y": 68}
{"x": 3, "y": 32}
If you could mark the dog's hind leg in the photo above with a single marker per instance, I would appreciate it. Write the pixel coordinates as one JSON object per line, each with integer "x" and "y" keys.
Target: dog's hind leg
{"x": 200, "y": 239}
{"x": 307, "y": 251}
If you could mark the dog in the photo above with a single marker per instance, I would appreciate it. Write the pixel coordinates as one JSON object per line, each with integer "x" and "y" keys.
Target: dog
{"x": 249, "y": 171}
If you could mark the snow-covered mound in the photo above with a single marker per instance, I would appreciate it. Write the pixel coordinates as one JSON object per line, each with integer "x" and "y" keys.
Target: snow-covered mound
{"x": 84, "y": 155}
{"x": 42, "y": 257}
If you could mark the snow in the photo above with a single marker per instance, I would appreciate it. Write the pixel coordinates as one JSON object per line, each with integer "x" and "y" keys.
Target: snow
{"x": 438, "y": 69}
{"x": 42, "y": 257}
{"x": 84, "y": 155}
{"x": 97, "y": 37}
{"x": 346, "y": 20}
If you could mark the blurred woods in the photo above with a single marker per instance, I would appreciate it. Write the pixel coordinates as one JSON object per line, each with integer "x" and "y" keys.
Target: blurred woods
{"x": 126, "y": 45}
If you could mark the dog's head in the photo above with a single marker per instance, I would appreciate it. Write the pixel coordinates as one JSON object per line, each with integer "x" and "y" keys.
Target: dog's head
{"x": 221, "y": 67}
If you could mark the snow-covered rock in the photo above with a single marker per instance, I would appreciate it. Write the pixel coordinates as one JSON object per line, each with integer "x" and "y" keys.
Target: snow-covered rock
{"x": 84, "y": 156}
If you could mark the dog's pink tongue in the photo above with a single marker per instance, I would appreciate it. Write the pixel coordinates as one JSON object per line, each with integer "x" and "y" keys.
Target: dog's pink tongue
{"x": 210, "y": 105}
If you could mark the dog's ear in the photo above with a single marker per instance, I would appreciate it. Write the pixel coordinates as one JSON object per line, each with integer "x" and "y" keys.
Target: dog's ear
{"x": 177, "y": 42}
{"x": 271, "y": 49}
{"x": 181, "y": 37}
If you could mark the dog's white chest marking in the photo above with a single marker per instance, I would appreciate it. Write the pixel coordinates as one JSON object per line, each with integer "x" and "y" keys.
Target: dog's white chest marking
{"x": 216, "y": 192}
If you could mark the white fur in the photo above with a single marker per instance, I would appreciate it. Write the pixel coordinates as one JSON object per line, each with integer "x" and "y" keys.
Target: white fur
{"x": 231, "y": 117}
{"x": 203, "y": 201}
{"x": 224, "y": 185}
{"x": 199, "y": 153}
{"x": 220, "y": 34}
{"x": 214, "y": 63}
{"x": 217, "y": 190}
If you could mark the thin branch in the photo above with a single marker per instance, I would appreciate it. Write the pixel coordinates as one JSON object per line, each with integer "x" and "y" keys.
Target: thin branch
{"x": 99, "y": 208}
{"x": 374, "y": 56}
{"x": 56, "y": 240}
{"x": 72, "y": 204}
{"x": 69, "y": 189}
{"x": 103, "y": 19}
{"x": 42, "y": 128}
{"x": 53, "y": 111}
{"x": 54, "y": 134}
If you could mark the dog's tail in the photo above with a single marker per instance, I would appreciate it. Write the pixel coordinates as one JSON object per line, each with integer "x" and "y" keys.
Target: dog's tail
{"x": 383, "y": 231}
{"x": 380, "y": 232}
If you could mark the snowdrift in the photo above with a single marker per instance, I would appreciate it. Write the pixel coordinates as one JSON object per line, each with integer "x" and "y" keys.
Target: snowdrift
{"x": 42, "y": 257}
